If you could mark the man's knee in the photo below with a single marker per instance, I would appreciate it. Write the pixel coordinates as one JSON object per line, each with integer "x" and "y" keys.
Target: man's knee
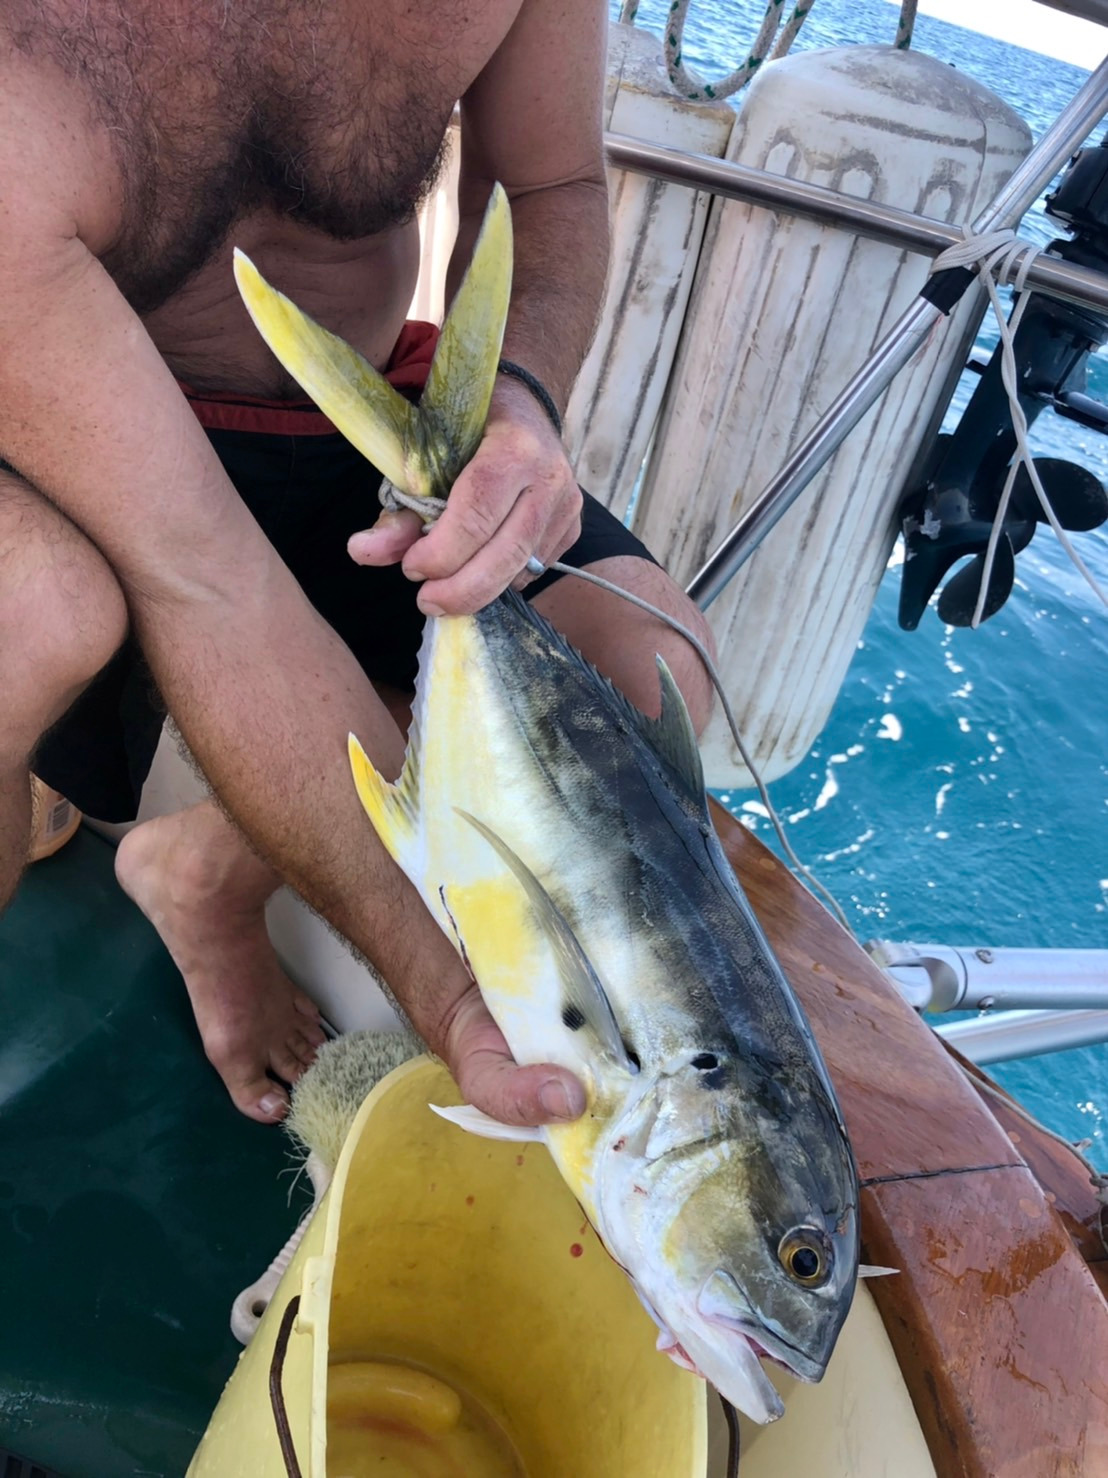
{"x": 62, "y": 612}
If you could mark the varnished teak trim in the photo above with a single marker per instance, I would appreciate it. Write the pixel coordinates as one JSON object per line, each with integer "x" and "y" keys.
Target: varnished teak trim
{"x": 998, "y": 1323}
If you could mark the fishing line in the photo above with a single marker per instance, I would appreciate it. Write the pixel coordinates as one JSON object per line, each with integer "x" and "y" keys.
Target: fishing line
{"x": 430, "y": 509}
{"x": 812, "y": 883}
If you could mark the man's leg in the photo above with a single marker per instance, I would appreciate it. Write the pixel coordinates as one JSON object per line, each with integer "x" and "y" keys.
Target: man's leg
{"x": 62, "y": 617}
{"x": 205, "y": 891}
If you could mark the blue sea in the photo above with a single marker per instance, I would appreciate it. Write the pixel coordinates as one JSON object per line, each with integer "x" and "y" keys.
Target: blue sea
{"x": 959, "y": 793}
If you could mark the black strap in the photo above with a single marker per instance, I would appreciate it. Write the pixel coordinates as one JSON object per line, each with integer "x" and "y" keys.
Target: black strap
{"x": 536, "y": 387}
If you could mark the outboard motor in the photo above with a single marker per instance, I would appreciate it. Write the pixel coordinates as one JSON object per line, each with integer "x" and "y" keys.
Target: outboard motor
{"x": 950, "y": 512}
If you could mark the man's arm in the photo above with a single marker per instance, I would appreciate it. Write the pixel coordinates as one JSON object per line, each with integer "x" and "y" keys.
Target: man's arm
{"x": 533, "y": 121}
{"x": 263, "y": 690}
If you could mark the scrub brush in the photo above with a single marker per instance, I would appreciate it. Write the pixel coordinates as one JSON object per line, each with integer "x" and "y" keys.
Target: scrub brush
{"x": 324, "y": 1104}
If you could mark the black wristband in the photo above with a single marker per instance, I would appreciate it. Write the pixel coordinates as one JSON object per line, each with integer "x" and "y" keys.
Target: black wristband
{"x": 536, "y": 387}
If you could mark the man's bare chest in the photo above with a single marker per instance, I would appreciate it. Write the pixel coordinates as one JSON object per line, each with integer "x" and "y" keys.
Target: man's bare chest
{"x": 328, "y": 114}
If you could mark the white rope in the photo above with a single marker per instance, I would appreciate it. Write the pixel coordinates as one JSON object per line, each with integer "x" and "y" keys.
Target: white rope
{"x": 1010, "y": 258}
{"x": 392, "y": 500}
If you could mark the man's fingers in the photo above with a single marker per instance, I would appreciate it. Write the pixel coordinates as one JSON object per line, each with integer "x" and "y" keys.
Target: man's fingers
{"x": 525, "y": 531}
{"x": 492, "y": 1081}
{"x": 557, "y": 541}
{"x": 387, "y": 542}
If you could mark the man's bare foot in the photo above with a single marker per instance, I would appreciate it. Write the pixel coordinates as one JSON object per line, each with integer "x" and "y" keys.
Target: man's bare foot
{"x": 204, "y": 891}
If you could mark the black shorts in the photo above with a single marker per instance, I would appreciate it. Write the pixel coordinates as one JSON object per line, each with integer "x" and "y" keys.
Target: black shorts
{"x": 309, "y": 493}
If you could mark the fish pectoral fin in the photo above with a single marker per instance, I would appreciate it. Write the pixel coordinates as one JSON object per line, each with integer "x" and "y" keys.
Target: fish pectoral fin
{"x": 586, "y": 1004}
{"x": 868, "y": 1270}
{"x": 473, "y": 1121}
{"x": 463, "y": 371}
{"x": 359, "y": 400}
{"x": 393, "y": 809}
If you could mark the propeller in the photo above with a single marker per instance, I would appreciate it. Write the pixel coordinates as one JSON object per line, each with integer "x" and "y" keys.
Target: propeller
{"x": 946, "y": 524}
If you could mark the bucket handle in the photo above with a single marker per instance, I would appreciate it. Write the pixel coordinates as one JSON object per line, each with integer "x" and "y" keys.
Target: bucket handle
{"x": 276, "y": 1390}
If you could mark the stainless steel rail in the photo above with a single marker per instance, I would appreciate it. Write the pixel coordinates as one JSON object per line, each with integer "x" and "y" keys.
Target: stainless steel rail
{"x": 1068, "y": 132}
{"x": 866, "y": 218}
{"x": 942, "y": 977}
{"x": 1024, "y": 1034}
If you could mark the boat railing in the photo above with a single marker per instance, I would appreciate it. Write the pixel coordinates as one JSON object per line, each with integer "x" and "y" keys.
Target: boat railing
{"x": 1028, "y": 180}
{"x": 1035, "y": 1000}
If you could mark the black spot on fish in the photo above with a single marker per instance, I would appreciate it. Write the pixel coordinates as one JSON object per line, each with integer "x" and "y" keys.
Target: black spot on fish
{"x": 632, "y": 1056}
{"x": 573, "y": 1017}
{"x": 705, "y": 1061}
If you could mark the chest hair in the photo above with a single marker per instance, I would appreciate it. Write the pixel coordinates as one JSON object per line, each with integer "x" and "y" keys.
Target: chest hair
{"x": 215, "y": 110}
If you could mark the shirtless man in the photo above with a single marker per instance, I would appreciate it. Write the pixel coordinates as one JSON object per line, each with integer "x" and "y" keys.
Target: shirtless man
{"x": 140, "y": 140}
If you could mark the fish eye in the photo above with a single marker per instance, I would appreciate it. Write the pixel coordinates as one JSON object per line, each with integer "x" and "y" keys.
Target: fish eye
{"x": 805, "y": 1256}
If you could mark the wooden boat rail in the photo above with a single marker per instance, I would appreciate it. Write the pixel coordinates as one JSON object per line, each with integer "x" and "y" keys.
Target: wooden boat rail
{"x": 998, "y": 1315}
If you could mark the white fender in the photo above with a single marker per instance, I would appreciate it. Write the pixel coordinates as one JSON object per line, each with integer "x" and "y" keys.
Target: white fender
{"x": 783, "y": 311}
{"x": 657, "y": 229}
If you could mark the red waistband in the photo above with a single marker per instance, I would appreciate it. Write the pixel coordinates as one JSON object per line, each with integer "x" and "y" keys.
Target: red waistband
{"x": 220, "y": 410}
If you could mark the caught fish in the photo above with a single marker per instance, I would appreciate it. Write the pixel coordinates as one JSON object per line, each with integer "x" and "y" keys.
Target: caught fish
{"x": 563, "y": 842}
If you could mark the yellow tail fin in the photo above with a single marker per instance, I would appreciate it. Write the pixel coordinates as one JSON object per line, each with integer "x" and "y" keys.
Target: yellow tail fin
{"x": 419, "y": 449}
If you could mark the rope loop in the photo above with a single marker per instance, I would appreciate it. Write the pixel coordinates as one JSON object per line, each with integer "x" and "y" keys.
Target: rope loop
{"x": 1001, "y": 253}
{"x": 906, "y": 25}
{"x": 392, "y": 500}
{"x": 695, "y": 88}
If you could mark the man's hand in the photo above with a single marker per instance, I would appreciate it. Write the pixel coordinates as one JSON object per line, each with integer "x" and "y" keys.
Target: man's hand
{"x": 516, "y": 499}
{"x": 475, "y": 1051}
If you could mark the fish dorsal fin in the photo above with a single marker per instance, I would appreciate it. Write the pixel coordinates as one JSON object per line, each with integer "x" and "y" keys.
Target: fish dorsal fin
{"x": 357, "y": 398}
{"x": 393, "y": 809}
{"x": 671, "y": 735}
{"x": 463, "y": 371}
{"x": 586, "y": 1002}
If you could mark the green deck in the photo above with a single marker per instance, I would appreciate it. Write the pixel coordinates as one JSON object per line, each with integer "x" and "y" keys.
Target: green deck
{"x": 135, "y": 1202}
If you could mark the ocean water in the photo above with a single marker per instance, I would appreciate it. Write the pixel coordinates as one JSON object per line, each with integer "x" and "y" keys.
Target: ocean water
{"x": 959, "y": 793}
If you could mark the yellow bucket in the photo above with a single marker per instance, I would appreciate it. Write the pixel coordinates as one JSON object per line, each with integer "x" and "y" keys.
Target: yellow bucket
{"x": 453, "y": 1285}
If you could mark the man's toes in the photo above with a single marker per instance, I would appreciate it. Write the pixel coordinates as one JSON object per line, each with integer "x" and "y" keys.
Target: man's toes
{"x": 310, "y": 1032}
{"x": 261, "y": 1099}
{"x": 285, "y": 1062}
{"x": 305, "y": 1005}
{"x": 303, "y": 1048}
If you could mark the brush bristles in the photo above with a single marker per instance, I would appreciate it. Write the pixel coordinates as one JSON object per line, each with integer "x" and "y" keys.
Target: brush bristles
{"x": 326, "y": 1100}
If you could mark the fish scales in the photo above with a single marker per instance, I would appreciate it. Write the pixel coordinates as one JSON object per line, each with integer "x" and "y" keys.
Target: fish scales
{"x": 588, "y": 743}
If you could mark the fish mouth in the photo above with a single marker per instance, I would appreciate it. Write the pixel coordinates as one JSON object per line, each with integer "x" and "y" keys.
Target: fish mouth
{"x": 735, "y": 1371}
{"x": 768, "y": 1347}
{"x": 723, "y": 1303}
